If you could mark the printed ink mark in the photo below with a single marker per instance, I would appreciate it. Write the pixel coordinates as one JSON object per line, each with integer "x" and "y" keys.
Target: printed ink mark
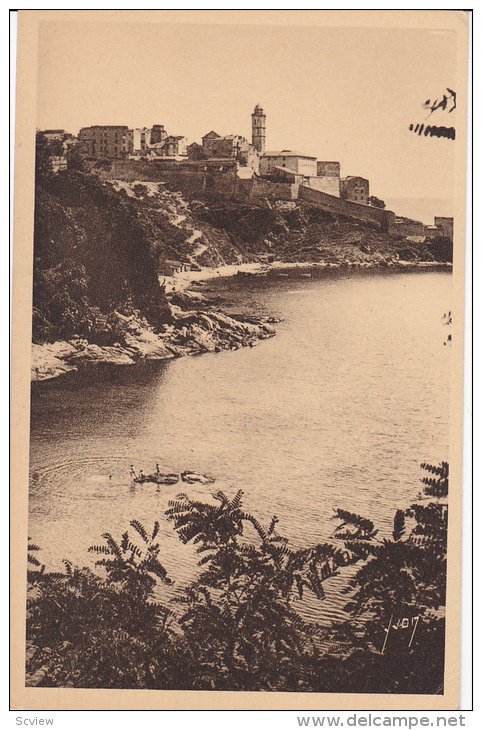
{"x": 443, "y": 103}
{"x": 432, "y": 131}
{"x": 446, "y": 104}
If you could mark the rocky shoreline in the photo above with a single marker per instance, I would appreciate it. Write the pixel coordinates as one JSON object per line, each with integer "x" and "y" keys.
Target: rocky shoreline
{"x": 192, "y": 332}
{"x": 185, "y": 279}
{"x": 195, "y": 329}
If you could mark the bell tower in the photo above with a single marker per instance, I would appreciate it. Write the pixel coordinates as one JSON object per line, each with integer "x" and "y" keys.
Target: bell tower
{"x": 258, "y": 126}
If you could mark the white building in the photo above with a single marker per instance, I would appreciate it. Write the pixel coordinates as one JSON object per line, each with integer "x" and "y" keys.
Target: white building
{"x": 138, "y": 140}
{"x": 289, "y": 159}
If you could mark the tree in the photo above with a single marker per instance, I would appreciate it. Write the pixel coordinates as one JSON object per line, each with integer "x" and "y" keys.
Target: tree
{"x": 236, "y": 626}
{"x": 401, "y": 584}
{"x": 87, "y": 631}
{"x": 93, "y": 255}
{"x": 132, "y": 567}
{"x": 75, "y": 158}
{"x": 442, "y": 248}
{"x": 239, "y": 618}
{"x": 376, "y": 202}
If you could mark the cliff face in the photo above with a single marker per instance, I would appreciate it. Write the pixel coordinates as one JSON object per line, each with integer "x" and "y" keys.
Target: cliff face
{"x": 100, "y": 249}
{"x": 98, "y": 252}
{"x": 93, "y": 253}
{"x": 216, "y": 232}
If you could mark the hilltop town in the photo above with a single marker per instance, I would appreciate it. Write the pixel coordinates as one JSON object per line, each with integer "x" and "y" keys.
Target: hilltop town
{"x": 127, "y": 219}
{"x": 231, "y": 167}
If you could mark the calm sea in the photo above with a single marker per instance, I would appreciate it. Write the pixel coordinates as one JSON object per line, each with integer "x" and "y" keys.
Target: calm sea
{"x": 337, "y": 410}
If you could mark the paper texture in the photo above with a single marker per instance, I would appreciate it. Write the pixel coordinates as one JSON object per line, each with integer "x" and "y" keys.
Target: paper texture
{"x": 198, "y": 183}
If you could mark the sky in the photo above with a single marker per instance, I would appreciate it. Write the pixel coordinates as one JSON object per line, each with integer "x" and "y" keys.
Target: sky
{"x": 346, "y": 94}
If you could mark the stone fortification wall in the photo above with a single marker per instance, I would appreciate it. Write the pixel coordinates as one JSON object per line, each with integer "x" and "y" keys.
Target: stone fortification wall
{"x": 282, "y": 174}
{"x": 384, "y": 219}
{"x": 194, "y": 178}
{"x": 326, "y": 184}
{"x": 260, "y": 188}
{"x": 210, "y": 178}
{"x": 408, "y": 227}
{"x": 218, "y": 178}
{"x": 328, "y": 169}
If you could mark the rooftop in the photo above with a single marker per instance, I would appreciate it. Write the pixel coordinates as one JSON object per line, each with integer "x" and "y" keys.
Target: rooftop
{"x": 288, "y": 153}
{"x": 106, "y": 126}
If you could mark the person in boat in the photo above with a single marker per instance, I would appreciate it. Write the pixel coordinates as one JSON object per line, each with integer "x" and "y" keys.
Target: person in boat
{"x": 158, "y": 471}
{"x": 141, "y": 475}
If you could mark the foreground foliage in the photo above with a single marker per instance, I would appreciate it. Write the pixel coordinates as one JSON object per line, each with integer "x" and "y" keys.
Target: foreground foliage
{"x": 237, "y": 627}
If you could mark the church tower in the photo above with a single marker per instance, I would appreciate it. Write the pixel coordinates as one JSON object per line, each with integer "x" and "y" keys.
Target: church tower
{"x": 258, "y": 126}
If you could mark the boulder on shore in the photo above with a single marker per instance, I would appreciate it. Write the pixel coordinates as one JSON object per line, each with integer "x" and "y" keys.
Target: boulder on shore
{"x": 192, "y": 333}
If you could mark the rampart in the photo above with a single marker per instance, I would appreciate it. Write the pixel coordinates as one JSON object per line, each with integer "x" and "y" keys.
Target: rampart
{"x": 326, "y": 184}
{"x": 203, "y": 178}
{"x": 259, "y": 188}
{"x": 384, "y": 219}
{"x": 408, "y": 227}
{"x": 218, "y": 178}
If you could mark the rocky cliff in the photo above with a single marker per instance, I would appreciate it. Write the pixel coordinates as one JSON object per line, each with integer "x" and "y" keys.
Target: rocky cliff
{"x": 216, "y": 232}
{"x": 102, "y": 248}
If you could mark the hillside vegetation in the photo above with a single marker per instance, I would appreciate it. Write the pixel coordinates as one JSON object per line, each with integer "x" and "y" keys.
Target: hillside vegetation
{"x": 93, "y": 253}
{"x": 99, "y": 248}
{"x": 219, "y": 231}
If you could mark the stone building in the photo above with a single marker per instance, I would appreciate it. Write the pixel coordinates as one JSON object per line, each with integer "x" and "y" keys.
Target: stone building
{"x": 231, "y": 145}
{"x": 327, "y": 178}
{"x": 431, "y": 231}
{"x": 158, "y": 134}
{"x": 294, "y": 161}
{"x": 407, "y": 227}
{"x": 356, "y": 189}
{"x": 138, "y": 140}
{"x": 105, "y": 142}
{"x": 174, "y": 146}
{"x": 208, "y": 141}
{"x": 196, "y": 151}
{"x": 58, "y": 164}
{"x": 445, "y": 226}
{"x": 258, "y": 128}
{"x": 54, "y": 135}
{"x": 328, "y": 169}
{"x": 249, "y": 158}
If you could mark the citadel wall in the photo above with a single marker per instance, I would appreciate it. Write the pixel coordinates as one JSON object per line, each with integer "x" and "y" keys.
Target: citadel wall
{"x": 326, "y": 184}
{"x": 382, "y": 218}
{"x": 203, "y": 178}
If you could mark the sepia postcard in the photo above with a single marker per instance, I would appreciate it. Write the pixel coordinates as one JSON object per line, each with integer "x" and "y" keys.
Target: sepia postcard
{"x": 238, "y": 314}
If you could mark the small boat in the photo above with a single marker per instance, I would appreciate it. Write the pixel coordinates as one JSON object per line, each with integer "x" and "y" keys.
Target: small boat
{"x": 191, "y": 477}
{"x": 157, "y": 478}
{"x": 166, "y": 478}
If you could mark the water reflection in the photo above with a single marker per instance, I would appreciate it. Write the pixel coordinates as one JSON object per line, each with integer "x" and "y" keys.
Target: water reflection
{"x": 337, "y": 410}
